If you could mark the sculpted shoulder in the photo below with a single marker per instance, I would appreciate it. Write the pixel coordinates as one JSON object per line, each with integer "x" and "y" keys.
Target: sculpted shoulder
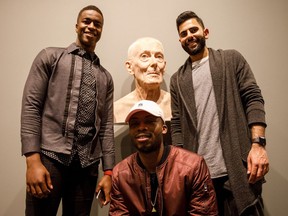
{"x": 122, "y": 107}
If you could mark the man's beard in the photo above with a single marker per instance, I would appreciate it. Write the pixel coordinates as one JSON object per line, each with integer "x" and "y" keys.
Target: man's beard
{"x": 201, "y": 43}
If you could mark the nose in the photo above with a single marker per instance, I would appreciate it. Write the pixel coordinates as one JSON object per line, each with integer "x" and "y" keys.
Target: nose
{"x": 189, "y": 34}
{"x": 153, "y": 61}
{"x": 91, "y": 25}
{"x": 142, "y": 126}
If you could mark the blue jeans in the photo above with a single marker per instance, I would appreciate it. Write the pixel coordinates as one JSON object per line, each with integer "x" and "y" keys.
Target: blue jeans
{"x": 73, "y": 184}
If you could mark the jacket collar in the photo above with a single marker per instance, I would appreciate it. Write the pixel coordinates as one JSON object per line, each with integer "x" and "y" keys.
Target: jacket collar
{"x": 74, "y": 49}
{"x": 163, "y": 159}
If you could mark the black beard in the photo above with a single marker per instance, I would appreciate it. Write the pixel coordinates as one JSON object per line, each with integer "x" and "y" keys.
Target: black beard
{"x": 201, "y": 43}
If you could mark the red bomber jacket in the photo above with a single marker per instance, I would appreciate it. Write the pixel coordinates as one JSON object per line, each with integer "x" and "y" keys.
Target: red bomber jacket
{"x": 185, "y": 186}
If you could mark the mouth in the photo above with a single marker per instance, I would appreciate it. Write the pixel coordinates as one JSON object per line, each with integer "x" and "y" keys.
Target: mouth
{"x": 191, "y": 41}
{"x": 154, "y": 73}
{"x": 90, "y": 34}
{"x": 142, "y": 137}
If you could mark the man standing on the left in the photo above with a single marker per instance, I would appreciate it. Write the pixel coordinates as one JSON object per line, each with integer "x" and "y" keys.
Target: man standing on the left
{"x": 67, "y": 124}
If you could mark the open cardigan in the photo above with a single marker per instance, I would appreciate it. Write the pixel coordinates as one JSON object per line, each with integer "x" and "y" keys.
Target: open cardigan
{"x": 239, "y": 103}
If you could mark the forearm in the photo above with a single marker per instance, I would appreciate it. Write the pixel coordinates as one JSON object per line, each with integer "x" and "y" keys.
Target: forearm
{"x": 257, "y": 130}
{"x": 107, "y": 132}
{"x": 176, "y": 130}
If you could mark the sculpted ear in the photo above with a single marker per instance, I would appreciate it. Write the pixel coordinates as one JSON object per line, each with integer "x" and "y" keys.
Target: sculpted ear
{"x": 128, "y": 65}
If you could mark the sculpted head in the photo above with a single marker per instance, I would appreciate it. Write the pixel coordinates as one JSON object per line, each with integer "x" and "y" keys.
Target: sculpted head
{"x": 146, "y": 62}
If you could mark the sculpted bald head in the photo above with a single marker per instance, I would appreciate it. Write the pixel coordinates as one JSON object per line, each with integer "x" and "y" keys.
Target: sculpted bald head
{"x": 144, "y": 41}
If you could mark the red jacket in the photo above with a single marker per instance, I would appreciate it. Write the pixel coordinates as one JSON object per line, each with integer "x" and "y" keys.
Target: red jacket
{"x": 185, "y": 186}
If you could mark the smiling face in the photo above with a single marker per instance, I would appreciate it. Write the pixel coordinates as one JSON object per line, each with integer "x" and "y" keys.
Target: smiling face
{"x": 89, "y": 28}
{"x": 146, "y": 62}
{"x": 146, "y": 131}
{"x": 192, "y": 37}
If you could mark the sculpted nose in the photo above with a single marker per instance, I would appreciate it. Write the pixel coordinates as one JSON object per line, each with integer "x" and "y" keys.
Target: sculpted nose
{"x": 153, "y": 61}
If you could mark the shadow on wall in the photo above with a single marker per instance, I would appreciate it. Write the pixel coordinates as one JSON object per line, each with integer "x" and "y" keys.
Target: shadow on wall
{"x": 18, "y": 204}
{"x": 272, "y": 195}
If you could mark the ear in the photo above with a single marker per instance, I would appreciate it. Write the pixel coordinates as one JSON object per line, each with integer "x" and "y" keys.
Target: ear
{"x": 76, "y": 28}
{"x": 164, "y": 129}
{"x": 206, "y": 33}
{"x": 164, "y": 67}
{"x": 128, "y": 65}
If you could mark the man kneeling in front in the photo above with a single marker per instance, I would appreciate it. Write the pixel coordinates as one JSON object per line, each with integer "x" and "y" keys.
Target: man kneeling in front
{"x": 157, "y": 179}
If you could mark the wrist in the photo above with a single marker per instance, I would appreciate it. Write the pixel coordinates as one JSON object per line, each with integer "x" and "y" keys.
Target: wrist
{"x": 261, "y": 140}
{"x": 108, "y": 172}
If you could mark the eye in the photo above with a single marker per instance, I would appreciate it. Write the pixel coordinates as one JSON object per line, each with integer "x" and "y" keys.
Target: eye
{"x": 160, "y": 57}
{"x": 183, "y": 34}
{"x": 150, "y": 121}
{"x": 144, "y": 57}
{"x": 133, "y": 123}
{"x": 87, "y": 21}
{"x": 193, "y": 30}
{"x": 97, "y": 24}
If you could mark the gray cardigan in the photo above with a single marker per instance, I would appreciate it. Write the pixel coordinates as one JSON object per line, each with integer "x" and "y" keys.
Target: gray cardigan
{"x": 239, "y": 104}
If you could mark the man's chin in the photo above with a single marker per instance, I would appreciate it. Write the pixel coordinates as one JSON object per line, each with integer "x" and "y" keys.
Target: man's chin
{"x": 144, "y": 149}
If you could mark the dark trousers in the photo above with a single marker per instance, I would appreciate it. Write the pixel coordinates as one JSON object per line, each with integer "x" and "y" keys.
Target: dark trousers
{"x": 226, "y": 202}
{"x": 73, "y": 184}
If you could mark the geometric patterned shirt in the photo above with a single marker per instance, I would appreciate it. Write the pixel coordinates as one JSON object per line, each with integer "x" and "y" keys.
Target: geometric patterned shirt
{"x": 84, "y": 129}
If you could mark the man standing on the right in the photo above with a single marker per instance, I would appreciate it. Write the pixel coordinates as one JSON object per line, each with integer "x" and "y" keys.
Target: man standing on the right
{"x": 218, "y": 112}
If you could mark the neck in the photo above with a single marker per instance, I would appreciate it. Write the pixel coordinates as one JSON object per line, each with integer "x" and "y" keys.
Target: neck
{"x": 89, "y": 49}
{"x": 151, "y": 160}
{"x": 153, "y": 94}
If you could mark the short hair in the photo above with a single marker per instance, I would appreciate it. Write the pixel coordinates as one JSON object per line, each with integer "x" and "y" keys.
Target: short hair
{"x": 186, "y": 15}
{"x": 90, "y": 7}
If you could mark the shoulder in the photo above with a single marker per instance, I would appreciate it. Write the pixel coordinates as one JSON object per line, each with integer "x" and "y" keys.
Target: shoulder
{"x": 125, "y": 102}
{"x": 124, "y": 166}
{"x": 165, "y": 98}
{"x": 185, "y": 157}
{"x": 54, "y": 51}
{"x": 122, "y": 107}
{"x": 165, "y": 94}
{"x": 181, "y": 69}
{"x": 229, "y": 53}
{"x": 106, "y": 72}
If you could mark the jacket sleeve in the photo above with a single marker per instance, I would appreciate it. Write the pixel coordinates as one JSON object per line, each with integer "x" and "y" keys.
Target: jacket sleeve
{"x": 33, "y": 100}
{"x": 117, "y": 205}
{"x": 203, "y": 196}
{"x": 250, "y": 93}
{"x": 176, "y": 131}
{"x": 106, "y": 129}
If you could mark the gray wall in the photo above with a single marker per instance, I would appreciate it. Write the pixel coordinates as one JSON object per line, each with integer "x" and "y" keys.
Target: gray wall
{"x": 258, "y": 29}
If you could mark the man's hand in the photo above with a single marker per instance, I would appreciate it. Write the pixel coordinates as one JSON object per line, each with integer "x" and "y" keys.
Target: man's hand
{"x": 258, "y": 163}
{"x": 105, "y": 184}
{"x": 38, "y": 179}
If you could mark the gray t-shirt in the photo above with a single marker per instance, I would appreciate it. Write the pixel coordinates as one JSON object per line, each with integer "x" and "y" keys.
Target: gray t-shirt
{"x": 207, "y": 118}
